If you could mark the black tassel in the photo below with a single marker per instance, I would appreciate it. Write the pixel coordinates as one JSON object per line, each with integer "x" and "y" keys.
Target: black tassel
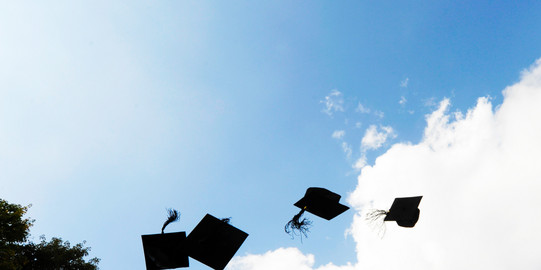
{"x": 226, "y": 220}
{"x": 173, "y": 215}
{"x": 299, "y": 227}
{"x": 375, "y": 219}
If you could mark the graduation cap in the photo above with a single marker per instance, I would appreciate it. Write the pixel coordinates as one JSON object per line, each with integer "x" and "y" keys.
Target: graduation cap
{"x": 404, "y": 211}
{"x": 318, "y": 201}
{"x": 214, "y": 242}
{"x": 166, "y": 250}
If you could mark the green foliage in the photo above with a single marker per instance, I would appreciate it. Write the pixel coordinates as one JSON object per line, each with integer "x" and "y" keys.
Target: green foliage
{"x": 57, "y": 254}
{"x": 18, "y": 254}
{"x": 13, "y": 228}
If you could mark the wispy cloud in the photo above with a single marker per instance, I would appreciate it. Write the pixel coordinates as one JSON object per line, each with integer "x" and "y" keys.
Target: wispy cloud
{"x": 334, "y": 102}
{"x": 338, "y": 134}
{"x": 347, "y": 149}
{"x": 404, "y": 83}
{"x": 362, "y": 109}
{"x": 430, "y": 102}
{"x": 402, "y": 100}
{"x": 360, "y": 163}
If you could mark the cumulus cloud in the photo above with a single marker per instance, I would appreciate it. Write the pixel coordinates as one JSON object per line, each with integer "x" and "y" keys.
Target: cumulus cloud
{"x": 480, "y": 181}
{"x": 374, "y": 139}
{"x": 282, "y": 258}
{"x": 334, "y": 102}
{"x": 480, "y": 177}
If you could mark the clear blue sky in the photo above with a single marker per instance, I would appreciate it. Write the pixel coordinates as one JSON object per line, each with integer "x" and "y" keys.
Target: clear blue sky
{"x": 112, "y": 112}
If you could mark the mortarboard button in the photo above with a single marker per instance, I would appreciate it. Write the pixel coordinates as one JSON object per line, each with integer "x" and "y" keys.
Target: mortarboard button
{"x": 165, "y": 251}
{"x": 214, "y": 242}
{"x": 322, "y": 203}
{"x": 404, "y": 211}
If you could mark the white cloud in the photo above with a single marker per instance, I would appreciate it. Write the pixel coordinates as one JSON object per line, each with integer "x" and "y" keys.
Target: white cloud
{"x": 374, "y": 139}
{"x": 282, "y": 258}
{"x": 334, "y": 102}
{"x": 379, "y": 114}
{"x": 358, "y": 124}
{"x": 430, "y": 102}
{"x": 404, "y": 83}
{"x": 480, "y": 178}
{"x": 347, "y": 149}
{"x": 360, "y": 163}
{"x": 403, "y": 100}
{"x": 362, "y": 109}
{"x": 338, "y": 134}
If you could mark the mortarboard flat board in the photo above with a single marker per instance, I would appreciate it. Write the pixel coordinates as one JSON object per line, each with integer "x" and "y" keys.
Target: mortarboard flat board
{"x": 404, "y": 211}
{"x": 165, "y": 251}
{"x": 214, "y": 242}
{"x": 322, "y": 203}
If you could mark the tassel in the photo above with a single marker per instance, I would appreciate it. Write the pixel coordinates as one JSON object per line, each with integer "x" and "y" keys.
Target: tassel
{"x": 173, "y": 215}
{"x": 375, "y": 219}
{"x": 296, "y": 224}
{"x": 226, "y": 220}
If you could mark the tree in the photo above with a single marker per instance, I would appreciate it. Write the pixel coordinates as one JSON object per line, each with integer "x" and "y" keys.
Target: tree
{"x": 19, "y": 254}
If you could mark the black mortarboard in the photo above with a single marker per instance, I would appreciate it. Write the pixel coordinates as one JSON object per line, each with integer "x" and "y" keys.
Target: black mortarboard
{"x": 404, "y": 211}
{"x": 322, "y": 203}
{"x": 165, "y": 251}
{"x": 318, "y": 201}
{"x": 214, "y": 242}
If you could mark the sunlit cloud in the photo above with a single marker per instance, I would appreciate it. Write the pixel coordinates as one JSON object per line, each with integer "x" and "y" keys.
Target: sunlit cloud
{"x": 374, "y": 138}
{"x": 480, "y": 177}
{"x": 360, "y": 163}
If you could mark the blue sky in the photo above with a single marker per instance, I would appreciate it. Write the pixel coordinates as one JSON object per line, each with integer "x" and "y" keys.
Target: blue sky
{"x": 112, "y": 112}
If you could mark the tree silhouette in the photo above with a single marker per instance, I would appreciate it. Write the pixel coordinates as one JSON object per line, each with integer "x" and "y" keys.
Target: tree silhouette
{"x": 16, "y": 252}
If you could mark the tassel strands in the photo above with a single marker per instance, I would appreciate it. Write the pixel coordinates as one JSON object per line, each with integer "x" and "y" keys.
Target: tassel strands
{"x": 299, "y": 227}
{"x": 173, "y": 215}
